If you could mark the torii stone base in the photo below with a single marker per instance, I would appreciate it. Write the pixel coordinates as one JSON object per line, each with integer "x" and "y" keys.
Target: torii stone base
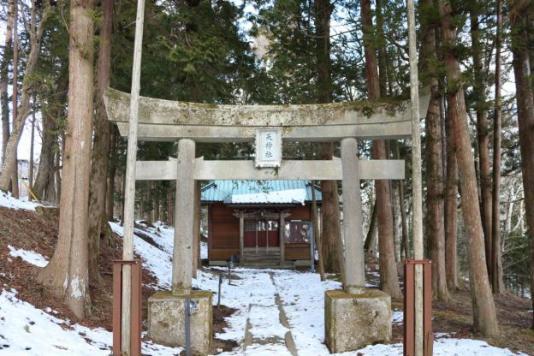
{"x": 166, "y": 320}
{"x": 353, "y": 321}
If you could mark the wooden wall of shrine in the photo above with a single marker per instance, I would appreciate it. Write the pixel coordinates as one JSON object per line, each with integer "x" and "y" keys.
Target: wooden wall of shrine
{"x": 223, "y": 230}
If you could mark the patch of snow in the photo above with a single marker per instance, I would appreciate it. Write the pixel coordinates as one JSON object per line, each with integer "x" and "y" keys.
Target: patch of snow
{"x": 265, "y": 350}
{"x": 7, "y": 201}
{"x": 31, "y": 257}
{"x": 398, "y": 316}
{"x": 29, "y": 331}
{"x": 442, "y": 347}
{"x": 442, "y": 335}
{"x": 77, "y": 288}
{"x": 302, "y": 295}
{"x": 277, "y": 197}
{"x": 203, "y": 250}
{"x": 265, "y": 322}
{"x": 159, "y": 262}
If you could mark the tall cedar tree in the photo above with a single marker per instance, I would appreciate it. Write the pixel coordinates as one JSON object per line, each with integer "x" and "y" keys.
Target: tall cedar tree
{"x": 36, "y": 29}
{"x": 101, "y": 143}
{"x": 451, "y": 201}
{"x": 330, "y": 236}
{"x": 4, "y": 73}
{"x": 496, "y": 254}
{"x": 435, "y": 227}
{"x": 389, "y": 281}
{"x": 53, "y": 112}
{"x": 481, "y": 110}
{"x": 484, "y": 313}
{"x": 525, "y": 111}
{"x": 67, "y": 273}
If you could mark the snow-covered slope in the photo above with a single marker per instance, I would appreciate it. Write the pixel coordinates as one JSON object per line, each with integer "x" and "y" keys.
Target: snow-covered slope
{"x": 259, "y": 295}
{"x": 7, "y": 201}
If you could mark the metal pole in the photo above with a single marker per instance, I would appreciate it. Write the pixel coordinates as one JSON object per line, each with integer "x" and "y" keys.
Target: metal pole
{"x": 416, "y": 179}
{"x": 187, "y": 320}
{"x": 312, "y": 249}
{"x": 219, "y": 291}
{"x": 129, "y": 191}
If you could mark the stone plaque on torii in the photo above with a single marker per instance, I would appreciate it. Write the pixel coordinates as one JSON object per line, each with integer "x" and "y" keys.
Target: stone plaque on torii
{"x": 187, "y": 123}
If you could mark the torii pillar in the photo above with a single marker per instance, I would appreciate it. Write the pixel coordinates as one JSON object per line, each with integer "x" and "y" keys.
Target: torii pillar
{"x": 354, "y": 316}
{"x": 183, "y": 315}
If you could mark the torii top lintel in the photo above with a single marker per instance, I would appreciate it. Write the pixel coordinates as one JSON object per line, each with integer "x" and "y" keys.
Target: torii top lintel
{"x": 165, "y": 120}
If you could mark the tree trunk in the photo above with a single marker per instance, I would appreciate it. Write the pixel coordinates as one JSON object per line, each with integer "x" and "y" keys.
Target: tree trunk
{"x": 44, "y": 186}
{"x": 479, "y": 88}
{"x": 484, "y": 314}
{"x": 9, "y": 164}
{"x": 435, "y": 225}
{"x": 32, "y": 149}
{"x": 4, "y": 74}
{"x": 101, "y": 143}
{"x": 372, "y": 230}
{"x": 316, "y": 234}
{"x": 382, "y": 53}
{"x": 67, "y": 273}
{"x": 330, "y": 235}
{"x": 496, "y": 257}
{"x": 14, "y": 104}
{"x": 170, "y": 205}
{"x": 404, "y": 222}
{"x": 525, "y": 116}
{"x": 389, "y": 281}
{"x": 451, "y": 203}
{"x": 112, "y": 170}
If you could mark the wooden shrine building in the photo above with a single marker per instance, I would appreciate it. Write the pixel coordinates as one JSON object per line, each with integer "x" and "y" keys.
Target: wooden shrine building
{"x": 260, "y": 223}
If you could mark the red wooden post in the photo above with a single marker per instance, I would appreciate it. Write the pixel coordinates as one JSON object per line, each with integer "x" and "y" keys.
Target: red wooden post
{"x": 136, "y": 307}
{"x": 427, "y": 308}
{"x": 117, "y": 297}
{"x": 409, "y": 307}
{"x": 136, "y": 310}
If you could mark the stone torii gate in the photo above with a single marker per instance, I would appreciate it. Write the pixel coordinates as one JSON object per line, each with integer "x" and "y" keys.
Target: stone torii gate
{"x": 187, "y": 123}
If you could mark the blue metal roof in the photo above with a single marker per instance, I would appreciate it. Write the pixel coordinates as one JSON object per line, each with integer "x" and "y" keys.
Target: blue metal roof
{"x": 259, "y": 192}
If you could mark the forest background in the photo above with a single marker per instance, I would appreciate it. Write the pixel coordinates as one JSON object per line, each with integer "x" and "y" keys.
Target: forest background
{"x": 478, "y": 134}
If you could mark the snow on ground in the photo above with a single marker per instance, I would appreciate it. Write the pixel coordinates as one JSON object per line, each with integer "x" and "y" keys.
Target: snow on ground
{"x": 443, "y": 347}
{"x": 158, "y": 261}
{"x": 257, "y": 294}
{"x": 26, "y": 330}
{"x": 398, "y": 316}
{"x": 31, "y": 257}
{"x": 7, "y": 201}
{"x": 301, "y": 295}
{"x": 30, "y": 331}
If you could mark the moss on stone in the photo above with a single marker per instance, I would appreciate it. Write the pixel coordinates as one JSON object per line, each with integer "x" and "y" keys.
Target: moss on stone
{"x": 195, "y": 294}
{"x": 182, "y": 113}
{"x": 366, "y": 293}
